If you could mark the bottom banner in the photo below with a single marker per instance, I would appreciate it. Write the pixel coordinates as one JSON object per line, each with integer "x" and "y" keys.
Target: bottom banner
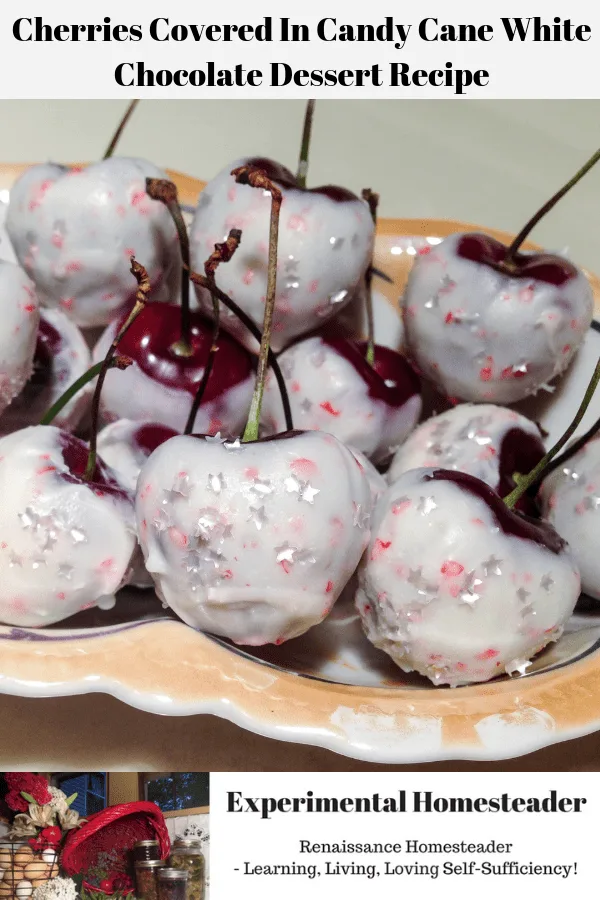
{"x": 283, "y": 834}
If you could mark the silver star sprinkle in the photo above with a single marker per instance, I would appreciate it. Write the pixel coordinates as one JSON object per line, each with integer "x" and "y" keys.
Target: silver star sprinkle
{"x": 179, "y": 491}
{"x": 361, "y": 516}
{"x": 547, "y": 582}
{"x": 285, "y": 553}
{"x": 306, "y": 405}
{"x": 492, "y": 566}
{"x": 78, "y": 535}
{"x": 522, "y": 594}
{"x": 162, "y": 520}
{"x": 258, "y": 516}
{"x": 15, "y": 559}
{"x": 591, "y": 503}
{"x": 29, "y": 518}
{"x": 214, "y": 439}
{"x": 216, "y": 483}
{"x": 261, "y": 486}
{"x": 426, "y": 505}
{"x": 37, "y": 561}
{"x": 304, "y": 489}
{"x": 233, "y": 445}
{"x": 65, "y": 570}
{"x": 468, "y": 592}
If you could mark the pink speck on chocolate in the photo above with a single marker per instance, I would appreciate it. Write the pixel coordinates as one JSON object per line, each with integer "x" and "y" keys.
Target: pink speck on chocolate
{"x": 451, "y": 568}
{"x": 490, "y": 653}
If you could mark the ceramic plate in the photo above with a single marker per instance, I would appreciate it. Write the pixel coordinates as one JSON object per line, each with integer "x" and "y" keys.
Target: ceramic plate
{"x": 329, "y": 688}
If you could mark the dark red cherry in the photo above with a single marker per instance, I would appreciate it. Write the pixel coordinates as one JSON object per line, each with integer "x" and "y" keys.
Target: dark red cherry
{"x": 511, "y": 522}
{"x": 284, "y": 178}
{"x": 149, "y": 437}
{"x": 484, "y": 249}
{"x": 520, "y": 452}
{"x": 390, "y": 379}
{"x": 75, "y": 455}
{"x": 150, "y": 341}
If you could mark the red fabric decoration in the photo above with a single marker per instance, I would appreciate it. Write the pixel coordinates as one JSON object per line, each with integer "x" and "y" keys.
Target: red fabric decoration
{"x": 117, "y": 828}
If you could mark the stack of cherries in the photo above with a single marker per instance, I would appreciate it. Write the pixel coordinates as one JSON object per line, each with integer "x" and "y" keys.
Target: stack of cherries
{"x": 254, "y": 453}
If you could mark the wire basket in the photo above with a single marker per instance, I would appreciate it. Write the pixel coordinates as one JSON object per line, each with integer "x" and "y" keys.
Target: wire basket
{"x": 24, "y": 869}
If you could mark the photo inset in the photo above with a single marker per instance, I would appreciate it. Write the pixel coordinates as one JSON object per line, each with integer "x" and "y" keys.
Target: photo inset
{"x": 95, "y": 835}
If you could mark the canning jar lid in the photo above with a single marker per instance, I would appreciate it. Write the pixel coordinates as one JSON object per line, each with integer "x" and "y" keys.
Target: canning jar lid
{"x": 149, "y": 863}
{"x": 147, "y": 843}
{"x": 187, "y": 844}
{"x": 173, "y": 875}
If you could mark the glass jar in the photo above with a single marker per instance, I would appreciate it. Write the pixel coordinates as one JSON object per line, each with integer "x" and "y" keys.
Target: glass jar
{"x": 186, "y": 854}
{"x": 145, "y": 850}
{"x": 172, "y": 884}
{"x": 146, "y": 884}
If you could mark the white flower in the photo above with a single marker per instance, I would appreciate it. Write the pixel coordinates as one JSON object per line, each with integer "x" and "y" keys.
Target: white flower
{"x": 56, "y": 889}
{"x": 59, "y": 799}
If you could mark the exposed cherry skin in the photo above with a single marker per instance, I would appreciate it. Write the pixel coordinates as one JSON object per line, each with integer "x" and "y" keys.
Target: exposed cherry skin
{"x": 150, "y": 436}
{"x": 284, "y": 178}
{"x": 486, "y": 250}
{"x": 391, "y": 379}
{"x": 48, "y": 345}
{"x": 511, "y": 522}
{"x": 151, "y": 342}
{"x": 75, "y": 455}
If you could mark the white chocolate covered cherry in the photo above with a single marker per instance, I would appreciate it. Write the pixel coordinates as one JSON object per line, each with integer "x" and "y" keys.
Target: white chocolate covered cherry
{"x": 490, "y": 442}
{"x": 61, "y": 357}
{"x": 325, "y": 246}
{"x": 333, "y": 388}
{"x": 74, "y": 231}
{"x": 456, "y": 586}
{"x": 485, "y": 331}
{"x": 19, "y": 309}
{"x": 570, "y": 498}
{"x": 65, "y": 544}
{"x": 252, "y": 541}
{"x": 160, "y": 384}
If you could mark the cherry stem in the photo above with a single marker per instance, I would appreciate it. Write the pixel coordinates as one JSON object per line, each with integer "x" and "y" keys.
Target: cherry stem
{"x": 573, "y": 448}
{"x": 538, "y": 472}
{"x": 372, "y": 201}
{"x": 225, "y": 299}
{"x": 117, "y": 362}
{"x": 305, "y": 146}
{"x": 257, "y": 178}
{"x": 120, "y": 129}
{"x": 165, "y": 191}
{"x": 222, "y": 253}
{"x": 141, "y": 299}
{"x": 524, "y": 233}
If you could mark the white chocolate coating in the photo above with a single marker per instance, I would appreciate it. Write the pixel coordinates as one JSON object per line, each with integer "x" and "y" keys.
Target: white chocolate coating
{"x": 132, "y": 394}
{"x": 570, "y": 502}
{"x": 445, "y": 592}
{"x": 20, "y": 315}
{"x": 67, "y": 365}
{"x": 120, "y": 451}
{"x": 467, "y": 438}
{"x": 480, "y": 335}
{"x": 328, "y": 394}
{"x": 376, "y": 481}
{"x": 324, "y": 250}
{"x": 75, "y": 230}
{"x": 64, "y": 546}
{"x": 252, "y": 541}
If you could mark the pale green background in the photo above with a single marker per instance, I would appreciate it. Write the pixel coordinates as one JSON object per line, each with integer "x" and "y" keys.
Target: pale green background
{"x": 491, "y": 162}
